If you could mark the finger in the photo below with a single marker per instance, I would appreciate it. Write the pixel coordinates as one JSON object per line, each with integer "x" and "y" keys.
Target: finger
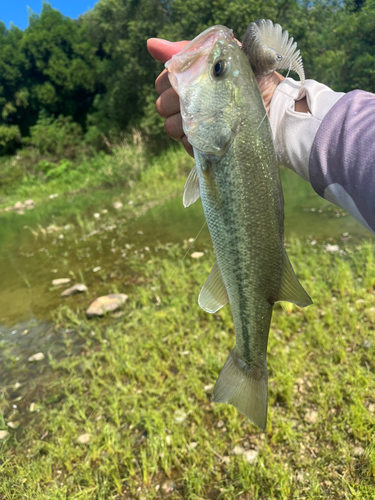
{"x": 188, "y": 147}
{"x": 162, "y": 82}
{"x": 162, "y": 50}
{"x": 267, "y": 86}
{"x": 168, "y": 103}
{"x": 173, "y": 126}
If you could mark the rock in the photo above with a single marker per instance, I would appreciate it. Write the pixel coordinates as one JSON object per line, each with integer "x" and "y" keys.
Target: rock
{"x": 61, "y": 281}
{"x": 13, "y": 425}
{"x": 92, "y": 234}
{"x": 52, "y": 196}
{"x": 77, "y": 288}
{"x": 311, "y": 417}
{"x": 358, "y": 451}
{"x": 16, "y": 386}
{"x": 238, "y": 450}
{"x": 220, "y": 424}
{"x": 197, "y": 255}
{"x": 209, "y": 387}
{"x": 19, "y": 206}
{"x": 300, "y": 477}
{"x": 117, "y": 205}
{"x": 29, "y": 204}
{"x": 179, "y": 416}
{"x": 4, "y": 434}
{"x": 83, "y": 438}
{"x": 250, "y": 456}
{"x": 105, "y": 304}
{"x": 96, "y": 269}
{"x": 39, "y": 356}
{"x": 332, "y": 248}
{"x": 167, "y": 487}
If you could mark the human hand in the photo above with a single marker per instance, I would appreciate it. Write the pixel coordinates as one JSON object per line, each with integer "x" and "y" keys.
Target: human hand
{"x": 168, "y": 104}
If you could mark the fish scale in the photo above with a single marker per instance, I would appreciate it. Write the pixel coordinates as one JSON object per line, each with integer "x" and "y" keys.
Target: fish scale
{"x": 237, "y": 177}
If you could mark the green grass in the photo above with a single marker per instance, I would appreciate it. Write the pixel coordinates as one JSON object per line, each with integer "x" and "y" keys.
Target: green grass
{"x": 139, "y": 385}
{"x": 27, "y": 175}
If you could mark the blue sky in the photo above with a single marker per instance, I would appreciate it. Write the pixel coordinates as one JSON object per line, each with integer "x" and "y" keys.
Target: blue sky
{"x": 16, "y": 10}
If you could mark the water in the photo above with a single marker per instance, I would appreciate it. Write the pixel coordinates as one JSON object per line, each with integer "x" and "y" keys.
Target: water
{"x": 62, "y": 238}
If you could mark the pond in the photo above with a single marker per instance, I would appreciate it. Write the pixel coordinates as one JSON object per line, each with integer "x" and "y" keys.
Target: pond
{"x": 84, "y": 238}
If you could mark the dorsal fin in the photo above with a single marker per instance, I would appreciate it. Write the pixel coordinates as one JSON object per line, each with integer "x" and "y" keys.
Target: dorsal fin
{"x": 191, "y": 191}
{"x": 213, "y": 295}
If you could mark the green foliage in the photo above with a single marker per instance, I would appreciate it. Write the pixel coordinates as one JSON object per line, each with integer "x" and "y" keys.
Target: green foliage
{"x": 55, "y": 136}
{"x": 51, "y": 65}
{"x": 97, "y": 70}
{"x": 11, "y": 175}
{"x": 28, "y": 175}
{"x": 10, "y": 137}
{"x": 120, "y": 31}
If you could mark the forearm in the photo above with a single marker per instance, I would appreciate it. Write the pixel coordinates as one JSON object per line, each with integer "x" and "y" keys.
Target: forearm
{"x": 331, "y": 145}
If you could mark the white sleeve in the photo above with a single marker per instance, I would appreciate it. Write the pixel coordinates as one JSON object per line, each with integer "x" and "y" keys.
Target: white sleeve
{"x": 294, "y": 132}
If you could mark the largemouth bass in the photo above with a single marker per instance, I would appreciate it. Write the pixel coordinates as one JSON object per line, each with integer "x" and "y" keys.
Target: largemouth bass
{"x": 237, "y": 177}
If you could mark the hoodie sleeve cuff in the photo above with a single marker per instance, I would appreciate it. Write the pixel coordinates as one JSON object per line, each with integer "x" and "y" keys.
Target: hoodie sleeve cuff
{"x": 294, "y": 132}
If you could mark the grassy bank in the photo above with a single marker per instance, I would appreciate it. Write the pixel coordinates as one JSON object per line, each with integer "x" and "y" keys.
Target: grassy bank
{"x": 30, "y": 175}
{"x": 140, "y": 387}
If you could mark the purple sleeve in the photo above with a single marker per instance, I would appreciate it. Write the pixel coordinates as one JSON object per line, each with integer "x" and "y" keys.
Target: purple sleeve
{"x": 342, "y": 158}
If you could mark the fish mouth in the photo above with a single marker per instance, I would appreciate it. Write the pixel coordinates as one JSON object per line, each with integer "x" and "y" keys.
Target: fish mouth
{"x": 189, "y": 65}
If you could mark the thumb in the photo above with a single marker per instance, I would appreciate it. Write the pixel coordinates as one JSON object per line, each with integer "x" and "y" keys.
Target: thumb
{"x": 162, "y": 50}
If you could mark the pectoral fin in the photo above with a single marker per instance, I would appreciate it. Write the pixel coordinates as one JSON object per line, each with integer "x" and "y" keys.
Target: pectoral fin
{"x": 191, "y": 191}
{"x": 213, "y": 295}
{"x": 291, "y": 289}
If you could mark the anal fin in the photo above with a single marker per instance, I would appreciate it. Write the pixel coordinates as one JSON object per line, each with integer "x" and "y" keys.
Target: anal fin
{"x": 213, "y": 295}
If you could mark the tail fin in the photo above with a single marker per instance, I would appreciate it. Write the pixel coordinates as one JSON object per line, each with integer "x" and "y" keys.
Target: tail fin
{"x": 244, "y": 388}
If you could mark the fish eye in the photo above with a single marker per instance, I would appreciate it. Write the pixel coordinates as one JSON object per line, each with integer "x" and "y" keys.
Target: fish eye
{"x": 219, "y": 68}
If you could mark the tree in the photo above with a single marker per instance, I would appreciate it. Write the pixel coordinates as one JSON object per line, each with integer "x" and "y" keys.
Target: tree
{"x": 51, "y": 66}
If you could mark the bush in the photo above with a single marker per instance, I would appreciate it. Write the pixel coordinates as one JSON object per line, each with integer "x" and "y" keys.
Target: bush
{"x": 11, "y": 174}
{"x": 57, "y": 136}
{"x": 10, "y": 138}
{"x": 59, "y": 170}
